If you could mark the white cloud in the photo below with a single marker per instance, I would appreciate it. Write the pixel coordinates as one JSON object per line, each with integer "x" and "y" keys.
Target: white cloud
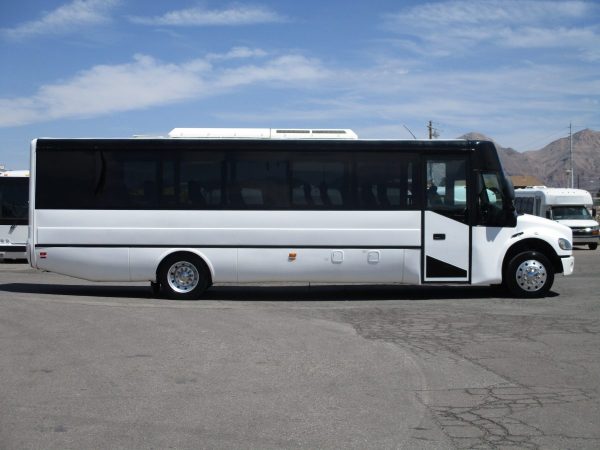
{"x": 455, "y": 28}
{"x": 282, "y": 70}
{"x": 534, "y": 37}
{"x": 491, "y": 12}
{"x": 146, "y": 82}
{"x": 378, "y": 100}
{"x": 64, "y": 19}
{"x": 238, "y": 53}
{"x": 232, "y": 16}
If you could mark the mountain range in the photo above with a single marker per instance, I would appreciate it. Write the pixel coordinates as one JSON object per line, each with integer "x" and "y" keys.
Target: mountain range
{"x": 550, "y": 164}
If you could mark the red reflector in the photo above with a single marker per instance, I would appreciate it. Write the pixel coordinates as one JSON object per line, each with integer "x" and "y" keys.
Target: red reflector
{"x": 43, "y": 255}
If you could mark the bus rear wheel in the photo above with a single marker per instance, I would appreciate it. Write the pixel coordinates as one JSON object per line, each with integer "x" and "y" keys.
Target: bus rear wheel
{"x": 183, "y": 276}
{"x": 593, "y": 246}
{"x": 529, "y": 274}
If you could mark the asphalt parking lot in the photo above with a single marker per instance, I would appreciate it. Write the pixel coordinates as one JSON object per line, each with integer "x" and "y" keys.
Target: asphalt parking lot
{"x": 89, "y": 365}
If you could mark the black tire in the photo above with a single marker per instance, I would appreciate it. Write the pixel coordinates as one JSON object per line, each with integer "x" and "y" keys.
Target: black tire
{"x": 183, "y": 276}
{"x": 593, "y": 246}
{"x": 529, "y": 275}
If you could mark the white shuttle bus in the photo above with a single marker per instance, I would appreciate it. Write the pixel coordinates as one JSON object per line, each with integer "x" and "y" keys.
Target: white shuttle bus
{"x": 205, "y": 206}
{"x": 14, "y": 198}
{"x": 571, "y": 207}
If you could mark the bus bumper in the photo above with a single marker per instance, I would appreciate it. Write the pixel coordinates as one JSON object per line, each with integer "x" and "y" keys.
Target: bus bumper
{"x": 13, "y": 252}
{"x": 568, "y": 264}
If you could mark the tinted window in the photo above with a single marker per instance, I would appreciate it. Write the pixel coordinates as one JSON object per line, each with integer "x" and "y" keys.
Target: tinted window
{"x": 524, "y": 205}
{"x": 142, "y": 175}
{"x": 14, "y": 201}
{"x": 67, "y": 179}
{"x": 385, "y": 181}
{"x": 201, "y": 180}
{"x": 259, "y": 180}
{"x": 320, "y": 181}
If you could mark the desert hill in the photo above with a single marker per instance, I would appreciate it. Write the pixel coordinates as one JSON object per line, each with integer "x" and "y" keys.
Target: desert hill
{"x": 550, "y": 163}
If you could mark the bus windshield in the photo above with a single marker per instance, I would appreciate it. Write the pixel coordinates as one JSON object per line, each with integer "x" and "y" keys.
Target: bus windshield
{"x": 571, "y": 213}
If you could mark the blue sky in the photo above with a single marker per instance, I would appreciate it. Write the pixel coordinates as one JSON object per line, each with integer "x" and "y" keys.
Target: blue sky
{"x": 516, "y": 70}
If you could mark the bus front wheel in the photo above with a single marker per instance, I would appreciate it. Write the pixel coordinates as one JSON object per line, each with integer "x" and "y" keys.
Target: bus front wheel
{"x": 183, "y": 276}
{"x": 593, "y": 246}
{"x": 529, "y": 274}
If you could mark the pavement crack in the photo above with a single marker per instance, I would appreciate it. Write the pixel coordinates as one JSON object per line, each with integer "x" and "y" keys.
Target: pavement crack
{"x": 488, "y": 417}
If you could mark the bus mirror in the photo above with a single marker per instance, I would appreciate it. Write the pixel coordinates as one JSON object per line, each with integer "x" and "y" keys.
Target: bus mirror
{"x": 510, "y": 188}
{"x": 593, "y": 212}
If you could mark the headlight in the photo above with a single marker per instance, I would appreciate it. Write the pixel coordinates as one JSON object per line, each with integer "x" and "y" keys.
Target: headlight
{"x": 565, "y": 244}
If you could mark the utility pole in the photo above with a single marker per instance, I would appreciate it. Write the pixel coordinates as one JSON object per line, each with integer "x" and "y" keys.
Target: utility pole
{"x": 571, "y": 154}
{"x": 433, "y": 132}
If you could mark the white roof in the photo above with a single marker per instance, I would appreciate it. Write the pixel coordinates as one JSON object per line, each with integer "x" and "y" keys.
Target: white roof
{"x": 261, "y": 133}
{"x": 558, "y": 196}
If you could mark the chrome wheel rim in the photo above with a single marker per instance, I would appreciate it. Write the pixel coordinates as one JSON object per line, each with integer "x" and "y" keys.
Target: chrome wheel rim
{"x": 531, "y": 275}
{"x": 183, "y": 277}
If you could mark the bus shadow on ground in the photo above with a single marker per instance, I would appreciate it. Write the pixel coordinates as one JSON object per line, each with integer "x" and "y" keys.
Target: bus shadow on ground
{"x": 275, "y": 293}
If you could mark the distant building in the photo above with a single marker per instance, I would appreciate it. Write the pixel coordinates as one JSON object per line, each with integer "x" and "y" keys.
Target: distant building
{"x": 521, "y": 181}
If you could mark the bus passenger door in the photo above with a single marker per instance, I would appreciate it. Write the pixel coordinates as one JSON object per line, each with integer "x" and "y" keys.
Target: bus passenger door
{"x": 446, "y": 232}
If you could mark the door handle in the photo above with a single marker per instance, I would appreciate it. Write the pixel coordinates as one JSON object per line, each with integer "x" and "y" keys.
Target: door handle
{"x": 439, "y": 237}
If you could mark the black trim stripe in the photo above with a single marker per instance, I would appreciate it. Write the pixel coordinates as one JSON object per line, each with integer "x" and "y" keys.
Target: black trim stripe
{"x": 12, "y": 248}
{"x": 358, "y": 247}
{"x": 15, "y": 222}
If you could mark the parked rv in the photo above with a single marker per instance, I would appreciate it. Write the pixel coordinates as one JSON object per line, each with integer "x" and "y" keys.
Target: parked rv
{"x": 571, "y": 207}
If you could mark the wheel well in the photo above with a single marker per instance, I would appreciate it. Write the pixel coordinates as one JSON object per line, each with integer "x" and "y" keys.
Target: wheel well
{"x": 533, "y": 245}
{"x": 186, "y": 254}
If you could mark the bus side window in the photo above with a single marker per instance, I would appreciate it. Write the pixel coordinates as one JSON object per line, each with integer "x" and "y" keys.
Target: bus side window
{"x": 384, "y": 181}
{"x": 262, "y": 180}
{"x": 318, "y": 182}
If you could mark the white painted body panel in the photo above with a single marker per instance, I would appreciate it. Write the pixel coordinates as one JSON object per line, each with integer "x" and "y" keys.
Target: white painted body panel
{"x": 141, "y": 239}
{"x": 322, "y": 265}
{"x": 454, "y": 249}
{"x": 490, "y": 244}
